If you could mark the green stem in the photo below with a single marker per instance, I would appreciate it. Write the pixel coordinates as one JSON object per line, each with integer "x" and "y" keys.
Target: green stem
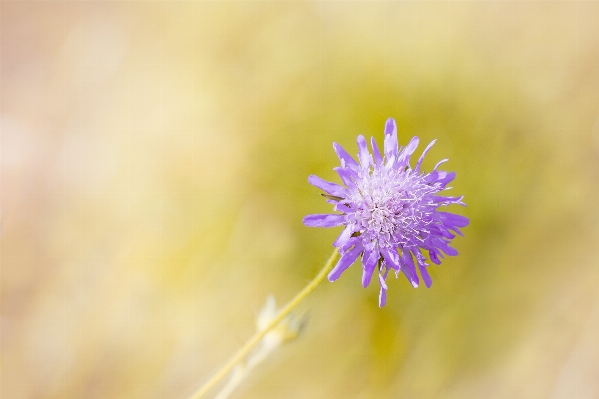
{"x": 241, "y": 353}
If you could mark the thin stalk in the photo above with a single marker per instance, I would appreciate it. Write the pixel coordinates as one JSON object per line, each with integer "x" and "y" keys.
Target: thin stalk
{"x": 245, "y": 349}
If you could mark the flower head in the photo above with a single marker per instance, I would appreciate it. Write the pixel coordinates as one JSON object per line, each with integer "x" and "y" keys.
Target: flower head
{"x": 389, "y": 211}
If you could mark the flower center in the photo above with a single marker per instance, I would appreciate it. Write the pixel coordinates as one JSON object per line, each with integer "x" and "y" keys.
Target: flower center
{"x": 390, "y": 211}
{"x": 381, "y": 219}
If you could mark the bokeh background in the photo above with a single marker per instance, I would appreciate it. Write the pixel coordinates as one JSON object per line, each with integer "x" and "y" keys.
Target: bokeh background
{"x": 154, "y": 158}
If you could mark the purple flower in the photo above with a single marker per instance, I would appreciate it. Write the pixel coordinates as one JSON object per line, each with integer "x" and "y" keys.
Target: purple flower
{"x": 389, "y": 211}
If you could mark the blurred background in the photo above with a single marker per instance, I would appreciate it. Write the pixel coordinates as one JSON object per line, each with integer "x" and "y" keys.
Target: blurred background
{"x": 154, "y": 164}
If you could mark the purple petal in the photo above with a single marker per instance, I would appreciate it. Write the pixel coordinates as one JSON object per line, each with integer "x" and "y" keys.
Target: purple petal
{"x": 346, "y": 175}
{"x": 450, "y": 200}
{"x": 349, "y": 244}
{"x": 407, "y": 152}
{"x": 422, "y": 267}
{"x": 345, "y": 158}
{"x": 445, "y": 233}
{"x": 344, "y": 237}
{"x": 458, "y": 231}
{"x": 346, "y": 261}
{"x": 382, "y": 297}
{"x": 383, "y": 291}
{"x": 434, "y": 258}
{"x": 425, "y": 276}
{"x": 390, "y": 144}
{"x": 369, "y": 261}
{"x": 442, "y": 245}
{"x": 328, "y": 187}
{"x": 391, "y": 258}
{"x": 363, "y": 154}
{"x": 326, "y": 220}
{"x": 446, "y": 179}
{"x": 440, "y": 163}
{"x": 409, "y": 269}
{"x": 434, "y": 176}
{"x": 382, "y": 282}
{"x": 451, "y": 219}
{"x": 428, "y": 147}
{"x": 378, "y": 159}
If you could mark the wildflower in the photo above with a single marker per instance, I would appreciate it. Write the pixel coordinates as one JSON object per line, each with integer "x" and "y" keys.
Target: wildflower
{"x": 389, "y": 211}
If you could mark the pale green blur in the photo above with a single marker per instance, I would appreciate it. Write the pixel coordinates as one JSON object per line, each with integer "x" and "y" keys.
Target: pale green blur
{"x": 154, "y": 177}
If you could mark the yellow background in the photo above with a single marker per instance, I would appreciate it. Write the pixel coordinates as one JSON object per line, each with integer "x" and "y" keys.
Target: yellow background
{"x": 154, "y": 164}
